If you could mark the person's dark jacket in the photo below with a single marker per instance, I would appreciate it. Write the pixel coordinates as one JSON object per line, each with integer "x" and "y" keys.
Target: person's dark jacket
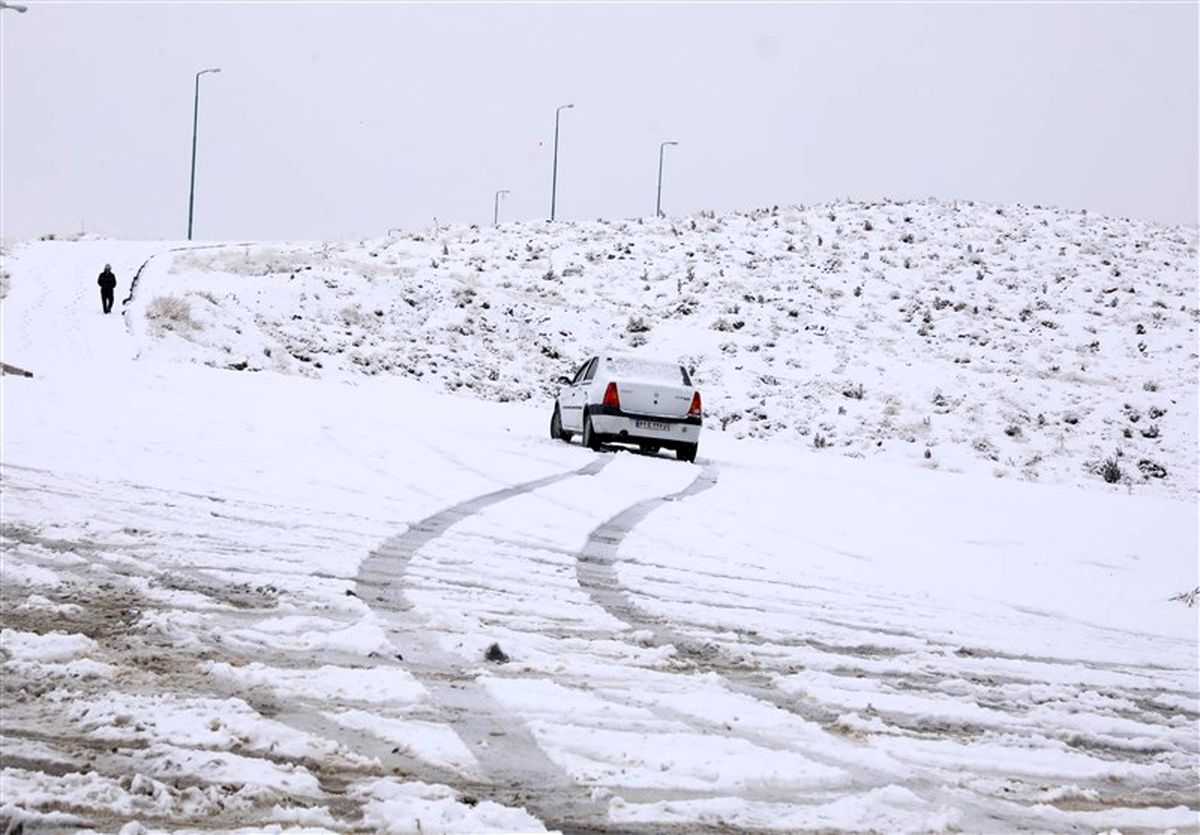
{"x": 107, "y": 280}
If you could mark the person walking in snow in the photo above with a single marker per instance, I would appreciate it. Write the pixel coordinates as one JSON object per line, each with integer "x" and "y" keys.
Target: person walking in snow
{"x": 108, "y": 283}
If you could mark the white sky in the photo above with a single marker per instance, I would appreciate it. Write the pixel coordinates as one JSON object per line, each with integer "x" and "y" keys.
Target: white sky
{"x": 338, "y": 121}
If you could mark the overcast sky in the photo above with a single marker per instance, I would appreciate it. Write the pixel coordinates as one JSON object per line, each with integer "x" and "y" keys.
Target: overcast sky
{"x": 332, "y": 121}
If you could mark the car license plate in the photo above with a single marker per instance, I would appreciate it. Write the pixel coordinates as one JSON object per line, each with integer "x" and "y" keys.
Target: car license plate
{"x": 651, "y": 424}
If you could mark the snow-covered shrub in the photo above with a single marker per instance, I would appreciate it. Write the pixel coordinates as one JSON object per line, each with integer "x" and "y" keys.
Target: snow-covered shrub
{"x": 1151, "y": 469}
{"x": 171, "y": 313}
{"x": 1110, "y": 470}
{"x": 637, "y": 324}
{"x": 1187, "y": 597}
{"x": 352, "y": 315}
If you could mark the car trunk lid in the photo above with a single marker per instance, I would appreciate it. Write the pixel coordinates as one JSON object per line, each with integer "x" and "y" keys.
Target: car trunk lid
{"x": 654, "y": 398}
{"x": 649, "y": 387}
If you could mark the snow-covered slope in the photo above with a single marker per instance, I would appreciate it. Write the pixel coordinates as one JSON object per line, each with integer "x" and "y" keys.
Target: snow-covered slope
{"x": 248, "y": 602}
{"x": 1021, "y": 342}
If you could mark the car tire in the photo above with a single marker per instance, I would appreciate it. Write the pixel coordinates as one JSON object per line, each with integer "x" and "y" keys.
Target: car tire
{"x": 589, "y": 434}
{"x": 687, "y": 452}
{"x": 556, "y": 430}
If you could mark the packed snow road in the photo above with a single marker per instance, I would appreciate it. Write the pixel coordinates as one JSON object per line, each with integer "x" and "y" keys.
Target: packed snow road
{"x": 239, "y": 600}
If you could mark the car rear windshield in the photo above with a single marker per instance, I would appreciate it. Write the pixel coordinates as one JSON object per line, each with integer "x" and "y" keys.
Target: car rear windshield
{"x": 639, "y": 369}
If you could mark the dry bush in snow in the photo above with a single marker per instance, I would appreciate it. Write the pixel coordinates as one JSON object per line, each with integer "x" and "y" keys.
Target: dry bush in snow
{"x": 637, "y": 324}
{"x": 1187, "y": 597}
{"x": 171, "y": 313}
{"x": 1110, "y": 470}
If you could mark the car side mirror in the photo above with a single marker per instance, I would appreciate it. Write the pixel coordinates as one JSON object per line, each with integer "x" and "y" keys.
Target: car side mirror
{"x": 564, "y": 381}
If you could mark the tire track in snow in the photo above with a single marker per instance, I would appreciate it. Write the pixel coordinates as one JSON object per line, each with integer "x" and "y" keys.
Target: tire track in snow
{"x": 389, "y": 562}
{"x": 158, "y": 672}
{"x": 484, "y": 726}
{"x": 502, "y": 745}
{"x": 597, "y": 574}
{"x": 929, "y": 666}
{"x": 505, "y": 750}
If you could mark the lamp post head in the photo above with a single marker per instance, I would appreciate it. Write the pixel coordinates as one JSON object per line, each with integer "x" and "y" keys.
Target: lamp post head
{"x": 669, "y": 142}
{"x": 565, "y": 107}
{"x": 15, "y": 6}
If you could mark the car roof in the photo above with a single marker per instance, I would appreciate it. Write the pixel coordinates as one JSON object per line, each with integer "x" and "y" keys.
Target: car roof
{"x": 625, "y": 355}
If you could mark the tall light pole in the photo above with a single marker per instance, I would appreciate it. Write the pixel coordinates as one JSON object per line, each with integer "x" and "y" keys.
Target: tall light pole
{"x": 658, "y": 201}
{"x": 195, "y": 120}
{"x": 496, "y": 210}
{"x": 554, "y": 181}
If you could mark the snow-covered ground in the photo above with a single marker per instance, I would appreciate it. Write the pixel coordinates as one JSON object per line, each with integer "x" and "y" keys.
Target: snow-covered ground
{"x": 1021, "y": 342}
{"x": 248, "y": 600}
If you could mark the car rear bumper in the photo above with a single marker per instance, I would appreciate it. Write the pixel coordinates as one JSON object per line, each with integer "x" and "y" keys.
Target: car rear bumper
{"x": 615, "y": 426}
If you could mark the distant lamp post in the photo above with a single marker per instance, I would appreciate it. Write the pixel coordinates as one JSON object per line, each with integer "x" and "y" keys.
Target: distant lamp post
{"x": 554, "y": 180}
{"x": 195, "y": 120}
{"x": 496, "y": 208}
{"x": 14, "y": 6}
{"x": 658, "y": 201}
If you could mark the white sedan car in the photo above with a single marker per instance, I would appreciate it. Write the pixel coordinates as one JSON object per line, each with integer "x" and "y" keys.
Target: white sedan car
{"x": 623, "y": 399}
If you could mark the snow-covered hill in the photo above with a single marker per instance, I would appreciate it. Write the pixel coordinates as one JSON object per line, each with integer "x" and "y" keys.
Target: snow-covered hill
{"x": 333, "y": 599}
{"x": 1024, "y": 342}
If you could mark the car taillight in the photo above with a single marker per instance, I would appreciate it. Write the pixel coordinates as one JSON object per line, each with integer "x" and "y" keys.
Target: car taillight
{"x": 610, "y": 396}
{"x": 694, "y": 409}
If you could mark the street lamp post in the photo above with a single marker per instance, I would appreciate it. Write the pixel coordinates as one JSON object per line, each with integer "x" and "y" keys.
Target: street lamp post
{"x": 658, "y": 201}
{"x": 554, "y": 180}
{"x": 195, "y": 120}
{"x": 496, "y": 210}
